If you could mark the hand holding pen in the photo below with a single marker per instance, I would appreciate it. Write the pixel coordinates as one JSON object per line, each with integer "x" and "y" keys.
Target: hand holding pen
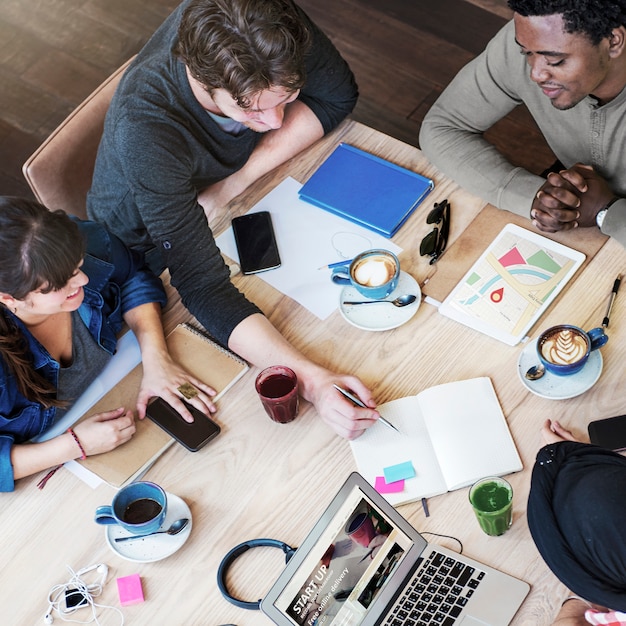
{"x": 357, "y": 402}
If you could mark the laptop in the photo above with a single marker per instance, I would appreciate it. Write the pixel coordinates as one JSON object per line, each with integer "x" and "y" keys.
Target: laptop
{"x": 363, "y": 564}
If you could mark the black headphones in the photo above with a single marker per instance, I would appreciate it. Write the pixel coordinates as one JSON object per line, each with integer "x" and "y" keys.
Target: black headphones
{"x": 236, "y": 552}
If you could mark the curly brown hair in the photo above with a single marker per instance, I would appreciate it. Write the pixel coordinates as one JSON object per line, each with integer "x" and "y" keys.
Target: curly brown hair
{"x": 244, "y": 46}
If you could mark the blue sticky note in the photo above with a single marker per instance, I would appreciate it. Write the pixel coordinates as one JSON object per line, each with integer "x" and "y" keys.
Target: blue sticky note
{"x": 399, "y": 472}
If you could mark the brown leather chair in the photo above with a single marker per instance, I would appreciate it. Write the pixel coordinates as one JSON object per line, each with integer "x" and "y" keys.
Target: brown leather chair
{"x": 61, "y": 169}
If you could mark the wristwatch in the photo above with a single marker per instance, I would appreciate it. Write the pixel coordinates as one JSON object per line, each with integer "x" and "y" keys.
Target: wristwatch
{"x": 601, "y": 214}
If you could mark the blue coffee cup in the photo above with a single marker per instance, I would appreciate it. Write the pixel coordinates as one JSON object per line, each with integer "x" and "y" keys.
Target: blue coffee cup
{"x": 373, "y": 273}
{"x": 139, "y": 508}
{"x": 564, "y": 349}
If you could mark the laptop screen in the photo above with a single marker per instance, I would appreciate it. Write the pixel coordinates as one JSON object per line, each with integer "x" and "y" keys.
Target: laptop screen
{"x": 357, "y": 560}
{"x": 347, "y": 567}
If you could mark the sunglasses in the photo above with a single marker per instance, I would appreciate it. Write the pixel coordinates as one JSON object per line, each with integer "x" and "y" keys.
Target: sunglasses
{"x": 435, "y": 241}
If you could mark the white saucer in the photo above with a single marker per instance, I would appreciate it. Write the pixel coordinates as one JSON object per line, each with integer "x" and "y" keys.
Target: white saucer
{"x": 380, "y": 316}
{"x": 555, "y": 387}
{"x": 157, "y": 547}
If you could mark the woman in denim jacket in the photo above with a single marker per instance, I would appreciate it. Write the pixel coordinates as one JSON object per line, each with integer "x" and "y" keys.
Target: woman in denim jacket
{"x": 66, "y": 288}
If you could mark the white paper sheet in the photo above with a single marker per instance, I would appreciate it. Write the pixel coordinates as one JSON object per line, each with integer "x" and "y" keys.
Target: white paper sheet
{"x": 308, "y": 238}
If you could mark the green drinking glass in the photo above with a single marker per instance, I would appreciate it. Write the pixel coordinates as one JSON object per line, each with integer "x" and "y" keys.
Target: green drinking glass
{"x": 492, "y": 501}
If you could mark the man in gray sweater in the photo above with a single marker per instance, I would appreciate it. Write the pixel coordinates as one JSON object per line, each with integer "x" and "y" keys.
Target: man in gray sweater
{"x": 222, "y": 93}
{"x": 566, "y": 61}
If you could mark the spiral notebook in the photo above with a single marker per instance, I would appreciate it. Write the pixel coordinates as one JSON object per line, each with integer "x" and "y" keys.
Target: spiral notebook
{"x": 366, "y": 189}
{"x": 204, "y": 359}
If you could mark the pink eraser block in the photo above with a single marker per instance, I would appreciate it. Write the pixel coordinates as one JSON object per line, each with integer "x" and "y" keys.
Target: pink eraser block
{"x": 130, "y": 590}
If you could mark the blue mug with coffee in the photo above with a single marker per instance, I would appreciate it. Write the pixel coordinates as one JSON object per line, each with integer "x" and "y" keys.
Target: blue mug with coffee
{"x": 139, "y": 508}
{"x": 564, "y": 349}
{"x": 373, "y": 273}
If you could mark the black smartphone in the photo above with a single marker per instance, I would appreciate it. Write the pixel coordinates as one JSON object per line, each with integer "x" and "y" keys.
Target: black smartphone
{"x": 193, "y": 436}
{"x": 256, "y": 242}
{"x": 75, "y": 598}
{"x": 609, "y": 432}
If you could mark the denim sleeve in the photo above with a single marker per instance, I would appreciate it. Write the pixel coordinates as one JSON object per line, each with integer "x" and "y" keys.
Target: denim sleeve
{"x": 141, "y": 285}
{"x": 138, "y": 284}
{"x": 7, "y": 481}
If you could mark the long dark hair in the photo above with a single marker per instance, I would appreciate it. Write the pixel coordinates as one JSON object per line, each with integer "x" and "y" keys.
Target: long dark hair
{"x": 39, "y": 250}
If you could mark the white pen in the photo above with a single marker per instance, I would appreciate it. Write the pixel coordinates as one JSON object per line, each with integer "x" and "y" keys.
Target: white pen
{"x": 358, "y": 402}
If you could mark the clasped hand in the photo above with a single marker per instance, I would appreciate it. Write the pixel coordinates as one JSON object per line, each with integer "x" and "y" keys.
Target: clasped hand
{"x": 569, "y": 199}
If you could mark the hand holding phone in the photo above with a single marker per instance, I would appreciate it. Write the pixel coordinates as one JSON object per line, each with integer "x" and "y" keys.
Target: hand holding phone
{"x": 191, "y": 435}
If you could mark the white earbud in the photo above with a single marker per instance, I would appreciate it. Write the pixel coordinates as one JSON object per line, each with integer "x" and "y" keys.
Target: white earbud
{"x": 47, "y": 618}
{"x": 101, "y": 568}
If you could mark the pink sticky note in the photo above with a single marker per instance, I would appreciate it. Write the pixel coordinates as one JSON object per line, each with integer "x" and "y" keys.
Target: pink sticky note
{"x": 130, "y": 590}
{"x": 382, "y": 486}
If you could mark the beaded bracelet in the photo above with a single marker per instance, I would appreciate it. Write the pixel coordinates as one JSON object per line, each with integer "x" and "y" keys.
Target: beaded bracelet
{"x": 83, "y": 456}
{"x": 42, "y": 483}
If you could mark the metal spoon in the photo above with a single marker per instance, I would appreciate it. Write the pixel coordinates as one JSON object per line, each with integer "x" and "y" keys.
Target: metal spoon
{"x": 174, "y": 529}
{"x": 535, "y": 372}
{"x": 407, "y": 298}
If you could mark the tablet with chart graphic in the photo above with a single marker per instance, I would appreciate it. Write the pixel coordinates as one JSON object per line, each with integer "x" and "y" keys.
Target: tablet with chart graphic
{"x": 512, "y": 284}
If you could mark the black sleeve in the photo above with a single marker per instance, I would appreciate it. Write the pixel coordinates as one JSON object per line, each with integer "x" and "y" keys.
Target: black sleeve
{"x": 330, "y": 90}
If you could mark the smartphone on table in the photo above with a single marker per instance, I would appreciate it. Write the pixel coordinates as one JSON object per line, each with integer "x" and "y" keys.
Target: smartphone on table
{"x": 192, "y": 435}
{"x": 609, "y": 432}
{"x": 256, "y": 242}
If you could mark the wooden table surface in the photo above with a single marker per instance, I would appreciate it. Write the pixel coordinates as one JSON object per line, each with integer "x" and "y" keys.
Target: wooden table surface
{"x": 261, "y": 479}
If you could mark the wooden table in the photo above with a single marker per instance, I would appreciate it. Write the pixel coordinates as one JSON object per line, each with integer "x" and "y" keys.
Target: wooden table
{"x": 261, "y": 479}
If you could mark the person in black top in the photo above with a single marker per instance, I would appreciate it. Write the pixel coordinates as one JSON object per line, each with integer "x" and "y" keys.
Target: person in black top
{"x": 221, "y": 94}
{"x": 576, "y": 510}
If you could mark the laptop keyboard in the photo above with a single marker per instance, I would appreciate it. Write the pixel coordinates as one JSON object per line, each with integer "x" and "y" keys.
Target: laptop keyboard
{"x": 437, "y": 593}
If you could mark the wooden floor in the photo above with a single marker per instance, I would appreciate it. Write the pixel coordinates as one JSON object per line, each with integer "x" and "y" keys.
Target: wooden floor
{"x": 53, "y": 53}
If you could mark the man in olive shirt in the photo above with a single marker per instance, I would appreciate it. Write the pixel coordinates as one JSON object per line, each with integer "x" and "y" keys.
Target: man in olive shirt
{"x": 566, "y": 61}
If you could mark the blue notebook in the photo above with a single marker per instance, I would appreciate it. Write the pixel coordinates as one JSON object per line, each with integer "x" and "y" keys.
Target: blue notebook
{"x": 366, "y": 189}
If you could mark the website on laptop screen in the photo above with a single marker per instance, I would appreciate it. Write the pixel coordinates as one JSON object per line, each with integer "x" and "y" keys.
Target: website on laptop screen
{"x": 347, "y": 568}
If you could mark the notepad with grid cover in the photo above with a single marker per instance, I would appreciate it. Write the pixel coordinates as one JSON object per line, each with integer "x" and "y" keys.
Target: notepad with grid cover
{"x": 366, "y": 189}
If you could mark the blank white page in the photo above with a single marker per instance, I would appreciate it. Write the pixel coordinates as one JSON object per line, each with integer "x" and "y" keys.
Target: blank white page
{"x": 468, "y": 431}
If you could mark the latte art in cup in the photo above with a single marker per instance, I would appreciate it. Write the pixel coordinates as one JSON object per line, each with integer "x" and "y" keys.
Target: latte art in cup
{"x": 374, "y": 271}
{"x": 564, "y": 347}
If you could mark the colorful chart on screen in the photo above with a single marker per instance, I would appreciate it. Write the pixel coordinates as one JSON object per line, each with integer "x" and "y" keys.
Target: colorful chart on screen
{"x": 512, "y": 284}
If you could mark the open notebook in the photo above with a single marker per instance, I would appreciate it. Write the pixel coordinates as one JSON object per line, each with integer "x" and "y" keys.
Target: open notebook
{"x": 450, "y": 436}
{"x": 363, "y": 564}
